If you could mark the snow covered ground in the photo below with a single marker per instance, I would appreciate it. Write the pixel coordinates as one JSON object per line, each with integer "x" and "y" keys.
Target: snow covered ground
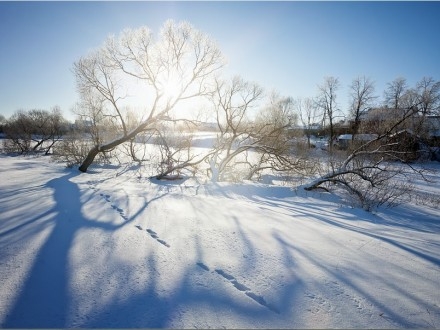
{"x": 108, "y": 249}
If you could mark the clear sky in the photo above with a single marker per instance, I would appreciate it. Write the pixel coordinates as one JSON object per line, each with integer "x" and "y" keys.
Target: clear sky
{"x": 286, "y": 46}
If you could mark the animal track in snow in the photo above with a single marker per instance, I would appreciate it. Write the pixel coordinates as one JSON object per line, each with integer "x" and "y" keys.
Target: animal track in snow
{"x": 343, "y": 296}
{"x": 154, "y": 235}
{"x": 241, "y": 287}
{"x": 92, "y": 185}
{"x": 161, "y": 241}
{"x": 319, "y": 303}
{"x": 114, "y": 207}
{"x": 357, "y": 302}
{"x": 224, "y": 274}
{"x": 203, "y": 266}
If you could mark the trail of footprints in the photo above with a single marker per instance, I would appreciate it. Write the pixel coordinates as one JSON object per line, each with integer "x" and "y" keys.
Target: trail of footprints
{"x": 154, "y": 235}
{"x": 114, "y": 207}
{"x": 107, "y": 199}
{"x": 241, "y": 287}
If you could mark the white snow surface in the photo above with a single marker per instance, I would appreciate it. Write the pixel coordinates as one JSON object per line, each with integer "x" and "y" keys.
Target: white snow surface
{"x": 107, "y": 249}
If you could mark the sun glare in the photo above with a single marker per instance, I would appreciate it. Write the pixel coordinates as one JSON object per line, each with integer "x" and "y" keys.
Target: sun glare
{"x": 172, "y": 86}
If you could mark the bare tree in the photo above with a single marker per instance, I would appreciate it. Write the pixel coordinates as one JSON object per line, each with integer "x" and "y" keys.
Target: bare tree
{"x": 34, "y": 130}
{"x": 172, "y": 152}
{"x": 245, "y": 147}
{"x": 2, "y": 122}
{"x": 327, "y": 103}
{"x": 362, "y": 98}
{"x": 427, "y": 99}
{"x": 425, "y": 96}
{"x": 232, "y": 102}
{"x": 177, "y": 66}
{"x": 394, "y": 92}
{"x": 309, "y": 114}
{"x": 367, "y": 171}
{"x": 428, "y": 91}
{"x": 18, "y": 131}
{"x": 271, "y": 132}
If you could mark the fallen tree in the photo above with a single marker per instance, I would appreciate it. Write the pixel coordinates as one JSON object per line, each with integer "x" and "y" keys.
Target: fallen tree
{"x": 368, "y": 169}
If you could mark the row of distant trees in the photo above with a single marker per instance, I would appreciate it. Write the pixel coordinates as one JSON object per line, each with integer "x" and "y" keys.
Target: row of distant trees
{"x": 184, "y": 64}
{"x": 33, "y": 130}
{"x": 367, "y": 113}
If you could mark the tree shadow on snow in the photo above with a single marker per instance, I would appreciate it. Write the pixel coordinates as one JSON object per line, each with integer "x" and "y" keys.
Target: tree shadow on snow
{"x": 44, "y": 300}
{"x": 47, "y": 297}
{"x": 387, "y": 234}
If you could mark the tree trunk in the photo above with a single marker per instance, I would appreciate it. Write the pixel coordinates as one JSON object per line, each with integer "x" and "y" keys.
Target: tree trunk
{"x": 97, "y": 149}
{"x": 89, "y": 159}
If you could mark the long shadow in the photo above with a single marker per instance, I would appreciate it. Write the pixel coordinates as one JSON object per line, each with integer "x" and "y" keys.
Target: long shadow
{"x": 47, "y": 298}
{"x": 44, "y": 300}
{"x": 389, "y": 311}
{"x": 428, "y": 225}
{"x": 149, "y": 309}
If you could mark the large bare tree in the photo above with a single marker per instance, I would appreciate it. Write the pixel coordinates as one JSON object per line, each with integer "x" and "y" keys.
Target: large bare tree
{"x": 362, "y": 98}
{"x": 232, "y": 102}
{"x": 244, "y": 146}
{"x": 175, "y": 67}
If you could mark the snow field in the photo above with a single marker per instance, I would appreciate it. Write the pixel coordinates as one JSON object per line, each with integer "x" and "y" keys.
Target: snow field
{"x": 112, "y": 249}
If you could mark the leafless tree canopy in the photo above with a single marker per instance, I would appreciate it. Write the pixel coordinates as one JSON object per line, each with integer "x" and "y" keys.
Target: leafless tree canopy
{"x": 178, "y": 66}
{"x": 362, "y": 98}
{"x": 232, "y": 101}
{"x": 309, "y": 114}
{"x": 327, "y": 93}
{"x": 393, "y": 95}
{"x": 428, "y": 93}
{"x": 367, "y": 170}
{"x": 137, "y": 85}
{"x": 245, "y": 147}
{"x": 34, "y": 130}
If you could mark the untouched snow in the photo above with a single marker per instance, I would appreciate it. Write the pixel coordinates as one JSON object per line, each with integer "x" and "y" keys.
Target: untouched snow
{"x": 107, "y": 249}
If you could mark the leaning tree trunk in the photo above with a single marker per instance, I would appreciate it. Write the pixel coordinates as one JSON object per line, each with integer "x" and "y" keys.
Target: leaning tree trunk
{"x": 89, "y": 159}
{"x": 103, "y": 148}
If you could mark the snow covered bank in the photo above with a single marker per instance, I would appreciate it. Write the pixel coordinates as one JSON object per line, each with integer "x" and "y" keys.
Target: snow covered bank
{"x": 105, "y": 250}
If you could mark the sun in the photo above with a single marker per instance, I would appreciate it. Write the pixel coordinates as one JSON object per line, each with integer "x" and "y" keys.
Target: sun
{"x": 171, "y": 85}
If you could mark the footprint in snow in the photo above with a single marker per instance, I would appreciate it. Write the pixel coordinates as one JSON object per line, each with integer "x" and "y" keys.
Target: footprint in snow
{"x": 203, "y": 266}
{"x": 117, "y": 208}
{"x": 106, "y": 197}
{"x": 243, "y": 288}
{"x": 224, "y": 274}
{"x": 161, "y": 241}
{"x": 239, "y": 286}
{"x": 154, "y": 235}
{"x": 114, "y": 207}
{"x": 120, "y": 211}
{"x": 92, "y": 185}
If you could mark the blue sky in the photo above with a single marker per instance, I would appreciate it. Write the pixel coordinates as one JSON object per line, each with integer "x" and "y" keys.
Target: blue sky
{"x": 286, "y": 46}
